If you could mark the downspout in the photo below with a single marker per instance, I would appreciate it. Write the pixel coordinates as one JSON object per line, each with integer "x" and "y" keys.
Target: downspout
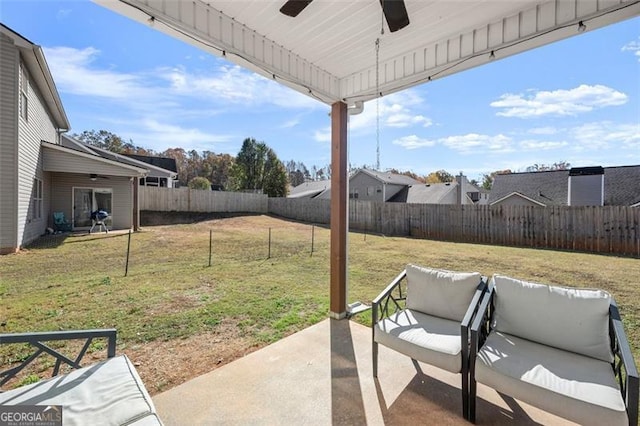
{"x": 59, "y": 132}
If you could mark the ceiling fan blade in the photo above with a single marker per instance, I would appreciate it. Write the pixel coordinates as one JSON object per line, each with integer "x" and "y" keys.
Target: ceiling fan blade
{"x": 294, "y": 7}
{"x": 396, "y": 14}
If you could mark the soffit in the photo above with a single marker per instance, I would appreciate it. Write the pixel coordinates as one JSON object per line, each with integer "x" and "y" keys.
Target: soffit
{"x": 328, "y": 51}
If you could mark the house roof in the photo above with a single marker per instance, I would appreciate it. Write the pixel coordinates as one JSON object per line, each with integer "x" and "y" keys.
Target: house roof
{"x": 546, "y": 188}
{"x": 621, "y": 186}
{"x": 153, "y": 169}
{"x": 328, "y": 52}
{"x": 36, "y": 63}
{"x": 77, "y": 145}
{"x": 162, "y": 162}
{"x": 424, "y": 193}
{"x": 431, "y": 193}
{"x": 388, "y": 177}
{"x": 58, "y": 158}
{"x": 310, "y": 189}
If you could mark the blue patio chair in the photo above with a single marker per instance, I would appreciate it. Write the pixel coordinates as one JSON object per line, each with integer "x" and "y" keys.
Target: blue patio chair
{"x": 60, "y": 223}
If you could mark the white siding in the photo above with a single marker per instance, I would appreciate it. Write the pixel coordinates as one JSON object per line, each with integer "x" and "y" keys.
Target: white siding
{"x": 36, "y": 128}
{"x": 62, "y": 185}
{"x": 58, "y": 161}
{"x": 8, "y": 144}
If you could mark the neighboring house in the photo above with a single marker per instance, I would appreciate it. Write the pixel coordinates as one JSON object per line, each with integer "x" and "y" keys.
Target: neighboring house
{"x": 311, "y": 189}
{"x": 580, "y": 186}
{"x": 370, "y": 185}
{"x": 42, "y": 172}
{"x": 461, "y": 191}
{"x": 163, "y": 171}
{"x": 156, "y": 176}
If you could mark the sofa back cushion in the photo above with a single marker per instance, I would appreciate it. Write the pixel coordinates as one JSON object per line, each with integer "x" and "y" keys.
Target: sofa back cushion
{"x": 440, "y": 293}
{"x": 576, "y": 320}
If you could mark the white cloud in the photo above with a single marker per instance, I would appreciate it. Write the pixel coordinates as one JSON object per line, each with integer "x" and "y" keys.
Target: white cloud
{"x": 607, "y": 135}
{"x": 71, "y": 69}
{"x": 413, "y": 142}
{"x": 534, "y": 145}
{"x": 290, "y": 123}
{"x": 543, "y": 131}
{"x": 395, "y": 110}
{"x": 633, "y": 46}
{"x": 476, "y": 143}
{"x": 406, "y": 120}
{"x": 234, "y": 84}
{"x": 323, "y": 135}
{"x": 75, "y": 72}
{"x": 464, "y": 144}
{"x": 151, "y": 133}
{"x": 581, "y": 99}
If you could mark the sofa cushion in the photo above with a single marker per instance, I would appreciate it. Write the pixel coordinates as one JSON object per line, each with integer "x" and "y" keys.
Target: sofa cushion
{"x": 440, "y": 293}
{"x": 572, "y": 319}
{"x": 425, "y": 338}
{"x": 576, "y": 387}
{"x": 107, "y": 393}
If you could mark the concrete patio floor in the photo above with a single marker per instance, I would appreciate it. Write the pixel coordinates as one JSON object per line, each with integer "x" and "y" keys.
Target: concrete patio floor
{"x": 323, "y": 376}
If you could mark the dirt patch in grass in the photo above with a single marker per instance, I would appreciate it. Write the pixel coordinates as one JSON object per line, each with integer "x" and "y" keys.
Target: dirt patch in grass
{"x": 165, "y": 364}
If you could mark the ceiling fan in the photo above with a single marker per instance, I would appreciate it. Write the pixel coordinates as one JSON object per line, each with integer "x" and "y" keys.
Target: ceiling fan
{"x": 394, "y": 11}
{"x": 95, "y": 177}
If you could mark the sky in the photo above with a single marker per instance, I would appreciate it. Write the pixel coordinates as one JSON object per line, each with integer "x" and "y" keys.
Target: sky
{"x": 576, "y": 101}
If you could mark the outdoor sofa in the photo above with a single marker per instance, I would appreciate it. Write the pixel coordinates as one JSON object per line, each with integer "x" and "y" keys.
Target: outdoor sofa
{"x": 107, "y": 393}
{"x": 426, "y": 314}
{"x": 560, "y": 349}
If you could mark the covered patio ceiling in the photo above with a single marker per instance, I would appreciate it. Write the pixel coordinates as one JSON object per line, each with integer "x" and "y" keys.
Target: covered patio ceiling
{"x": 328, "y": 51}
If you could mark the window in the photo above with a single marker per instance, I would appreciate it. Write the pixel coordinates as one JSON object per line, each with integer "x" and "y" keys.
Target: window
{"x": 87, "y": 200}
{"x": 36, "y": 199}
{"x": 24, "y": 90}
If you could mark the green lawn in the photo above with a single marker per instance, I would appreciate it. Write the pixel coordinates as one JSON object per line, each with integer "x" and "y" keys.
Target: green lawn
{"x": 172, "y": 299}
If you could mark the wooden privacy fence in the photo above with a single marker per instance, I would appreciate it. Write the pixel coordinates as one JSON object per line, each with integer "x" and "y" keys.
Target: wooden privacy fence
{"x": 200, "y": 201}
{"x": 609, "y": 229}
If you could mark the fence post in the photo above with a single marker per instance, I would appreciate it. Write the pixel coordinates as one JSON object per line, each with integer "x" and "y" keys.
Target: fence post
{"x": 313, "y": 234}
{"x": 126, "y": 266}
{"x": 210, "y": 244}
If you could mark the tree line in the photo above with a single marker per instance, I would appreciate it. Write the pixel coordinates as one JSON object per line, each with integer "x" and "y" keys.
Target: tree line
{"x": 258, "y": 168}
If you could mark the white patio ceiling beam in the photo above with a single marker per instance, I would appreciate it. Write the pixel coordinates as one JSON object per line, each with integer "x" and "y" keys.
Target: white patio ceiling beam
{"x": 534, "y": 27}
{"x": 335, "y": 61}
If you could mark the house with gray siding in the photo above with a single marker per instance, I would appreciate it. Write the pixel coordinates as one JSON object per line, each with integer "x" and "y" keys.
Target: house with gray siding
{"x": 40, "y": 171}
{"x": 579, "y": 186}
{"x": 156, "y": 176}
{"x": 460, "y": 191}
{"x": 371, "y": 185}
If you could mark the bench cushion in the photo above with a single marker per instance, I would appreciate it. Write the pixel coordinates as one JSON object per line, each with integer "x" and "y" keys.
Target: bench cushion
{"x": 425, "y": 338}
{"x": 572, "y": 319}
{"x": 576, "y": 387}
{"x": 107, "y": 393}
{"x": 440, "y": 293}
